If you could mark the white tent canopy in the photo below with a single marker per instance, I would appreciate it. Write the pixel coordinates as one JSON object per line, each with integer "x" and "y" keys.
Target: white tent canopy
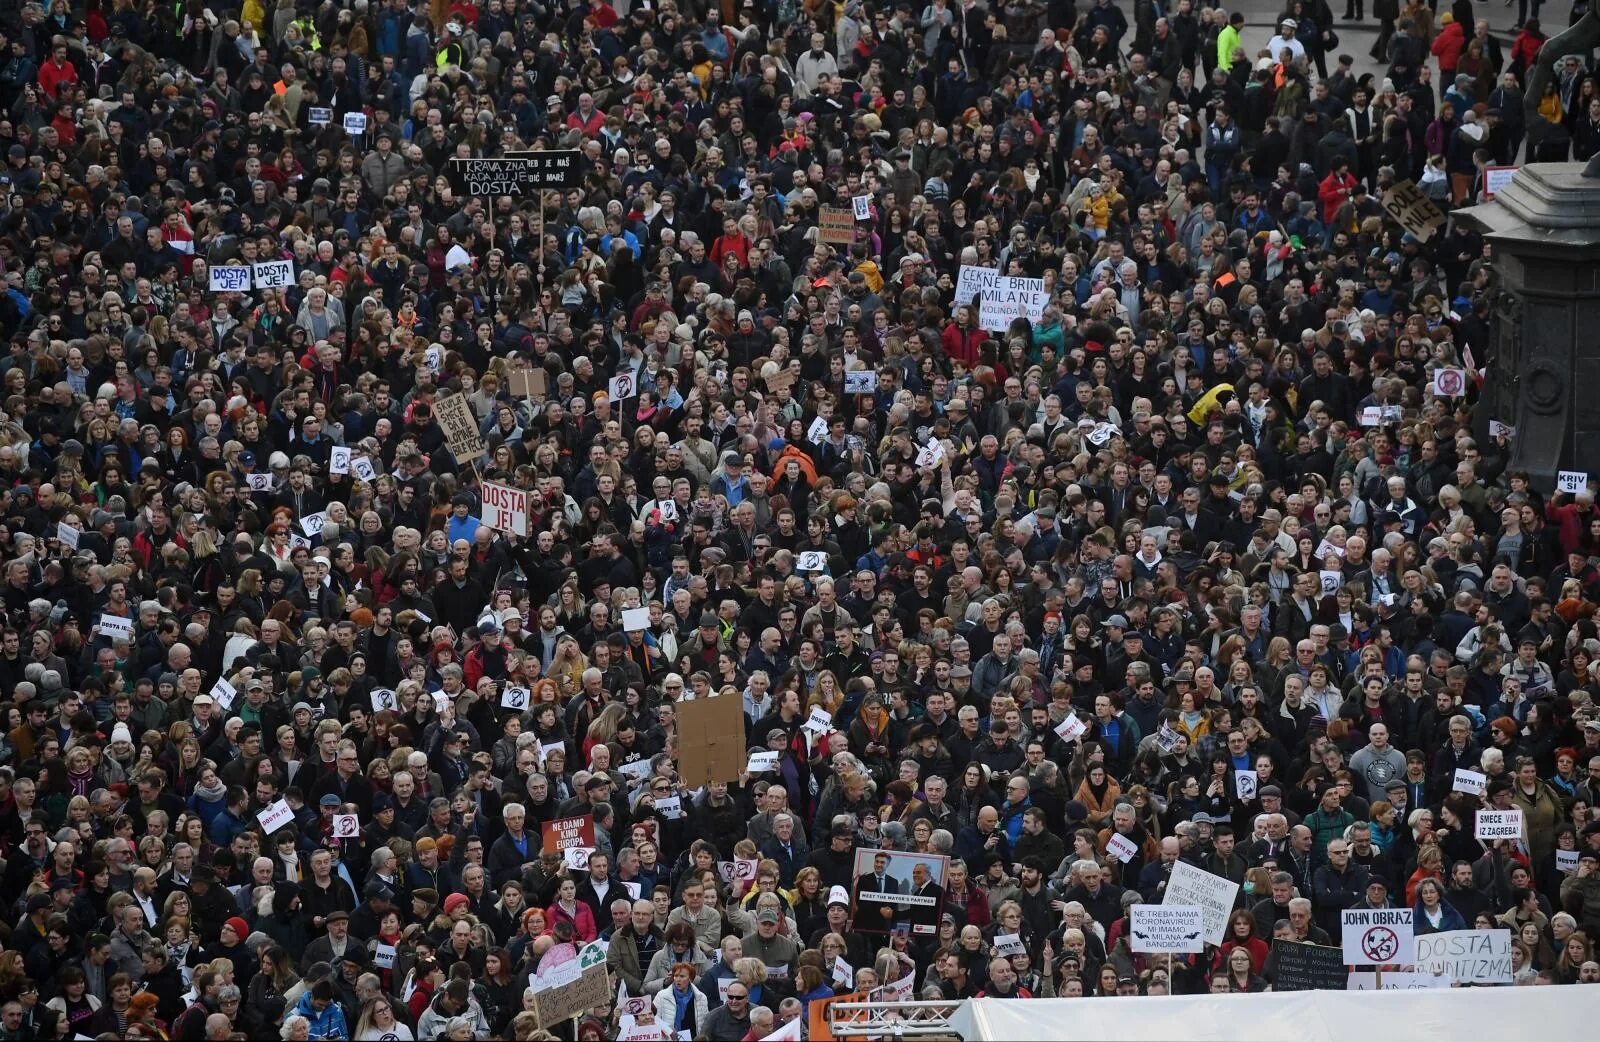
{"x": 1305, "y": 1016}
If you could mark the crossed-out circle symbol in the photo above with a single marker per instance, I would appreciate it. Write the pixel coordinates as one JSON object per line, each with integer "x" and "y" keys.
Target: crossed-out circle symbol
{"x": 1380, "y": 944}
{"x": 1450, "y": 384}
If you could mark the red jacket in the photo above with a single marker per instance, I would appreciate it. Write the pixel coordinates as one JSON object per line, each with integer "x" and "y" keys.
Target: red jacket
{"x": 1333, "y": 192}
{"x": 52, "y": 76}
{"x": 582, "y": 923}
{"x": 962, "y": 345}
{"x": 1448, "y": 45}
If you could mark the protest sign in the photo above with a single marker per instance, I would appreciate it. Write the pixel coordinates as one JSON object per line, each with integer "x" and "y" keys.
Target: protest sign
{"x": 1009, "y": 944}
{"x": 355, "y": 123}
{"x": 275, "y": 816}
{"x": 859, "y": 381}
{"x": 1165, "y": 928}
{"x": 339, "y": 460}
{"x": 1213, "y": 894}
{"x": 514, "y": 698}
{"x": 635, "y": 619}
{"x": 894, "y": 887}
{"x": 557, "y": 1002}
{"x": 621, "y": 387}
{"x": 1572, "y": 481}
{"x": 319, "y": 117}
{"x": 1566, "y": 861}
{"x": 460, "y": 428}
{"x": 711, "y": 744}
{"x": 1308, "y": 967}
{"x": 973, "y": 279}
{"x": 762, "y": 762}
{"x": 561, "y": 833}
{"x": 1121, "y": 847}
{"x": 312, "y": 523}
{"x": 383, "y": 698}
{"x": 1499, "y": 824}
{"x": 1376, "y": 936}
{"x": 223, "y": 693}
{"x": 670, "y": 807}
{"x": 1449, "y": 383}
{"x": 1011, "y": 297}
{"x": 116, "y": 627}
{"x": 346, "y": 826}
{"x": 861, "y": 206}
{"x": 66, "y": 535}
{"x": 258, "y": 482}
{"x": 383, "y": 956}
{"x": 1393, "y": 980}
{"x": 505, "y": 508}
{"x": 836, "y": 225}
{"x": 1244, "y": 785}
{"x": 363, "y": 469}
{"x": 811, "y": 561}
{"x": 1466, "y": 956}
{"x": 1497, "y": 179}
{"x": 229, "y": 278}
{"x": 528, "y": 383}
{"x": 1470, "y": 782}
{"x": 1071, "y": 728}
{"x": 1414, "y": 211}
{"x": 275, "y": 274}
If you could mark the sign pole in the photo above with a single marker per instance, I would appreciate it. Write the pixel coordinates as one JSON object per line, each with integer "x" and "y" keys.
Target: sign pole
{"x": 541, "y": 238}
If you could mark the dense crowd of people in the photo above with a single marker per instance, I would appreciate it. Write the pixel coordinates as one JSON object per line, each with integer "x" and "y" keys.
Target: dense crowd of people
{"x": 286, "y": 716}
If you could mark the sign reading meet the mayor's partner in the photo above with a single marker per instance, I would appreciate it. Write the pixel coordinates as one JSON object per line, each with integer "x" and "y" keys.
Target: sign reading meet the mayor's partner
{"x": 1377, "y": 936}
{"x": 1214, "y": 895}
{"x": 1011, "y": 297}
{"x": 1466, "y": 956}
{"x": 894, "y": 887}
{"x": 460, "y": 427}
{"x": 1163, "y": 928}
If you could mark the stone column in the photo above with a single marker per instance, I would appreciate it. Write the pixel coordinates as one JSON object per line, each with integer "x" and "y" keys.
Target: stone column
{"x": 1544, "y": 369}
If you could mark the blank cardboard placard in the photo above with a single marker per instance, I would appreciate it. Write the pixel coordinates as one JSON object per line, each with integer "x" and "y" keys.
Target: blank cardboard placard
{"x": 711, "y": 745}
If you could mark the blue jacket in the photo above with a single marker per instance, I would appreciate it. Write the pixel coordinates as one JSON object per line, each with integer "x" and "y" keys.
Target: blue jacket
{"x": 327, "y": 1024}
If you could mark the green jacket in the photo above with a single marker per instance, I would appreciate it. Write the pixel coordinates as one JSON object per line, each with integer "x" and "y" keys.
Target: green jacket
{"x": 1227, "y": 42}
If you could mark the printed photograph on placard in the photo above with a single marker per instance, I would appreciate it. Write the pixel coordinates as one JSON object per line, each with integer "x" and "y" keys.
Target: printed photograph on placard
{"x": 893, "y": 886}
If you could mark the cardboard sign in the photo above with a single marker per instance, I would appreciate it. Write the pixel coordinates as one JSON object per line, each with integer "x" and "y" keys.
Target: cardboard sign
{"x": 223, "y": 693}
{"x": 1572, "y": 481}
{"x": 1164, "y": 928}
{"x": 229, "y": 278}
{"x": 275, "y": 274}
{"x": 66, "y": 535}
{"x": 1495, "y": 825}
{"x": 557, "y": 1002}
{"x": 516, "y": 698}
{"x": 1121, "y": 847}
{"x": 1308, "y": 967}
{"x": 116, "y": 627}
{"x": 355, "y": 123}
{"x": 1212, "y": 894}
{"x": 275, "y": 817}
{"x": 565, "y": 833}
{"x": 1071, "y": 728}
{"x": 1470, "y": 782}
{"x": 505, "y": 509}
{"x": 1466, "y": 956}
{"x": 383, "y": 698}
{"x": 319, "y": 117}
{"x": 1412, "y": 210}
{"x": 635, "y": 619}
{"x": 460, "y": 428}
{"x": 711, "y": 745}
{"x": 811, "y": 561}
{"x": 836, "y": 225}
{"x": 528, "y": 383}
{"x": 339, "y": 460}
{"x": 621, "y": 388}
{"x": 258, "y": 482}
{"x": 1377, "y": 936}
{"x": 1449, "y": 383}
{"x": 346, "y": 826}
{"x": 1011, "y": 297}
{"x": 859, "y": 381}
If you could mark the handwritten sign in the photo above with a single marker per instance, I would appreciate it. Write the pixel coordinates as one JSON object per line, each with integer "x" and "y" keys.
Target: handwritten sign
{"x": 1466, "y": 956}
{"x": 460, "y": 428}
{"x": 230, "y": 278}
{"x": 505, "y": 508}
{"x": 1009, "y": 298}
{"x": 1213, "y": 894}
{"x": 836, "y": 225}
{"x": 1497, "y": 179}
{"x": 1495, "y": 825}
{"x": 1412, "y": 210}
{"x": 274, "y": 274}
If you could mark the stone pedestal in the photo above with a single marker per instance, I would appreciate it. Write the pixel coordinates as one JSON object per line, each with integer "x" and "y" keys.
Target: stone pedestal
{"x": 1544, "y": 369}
